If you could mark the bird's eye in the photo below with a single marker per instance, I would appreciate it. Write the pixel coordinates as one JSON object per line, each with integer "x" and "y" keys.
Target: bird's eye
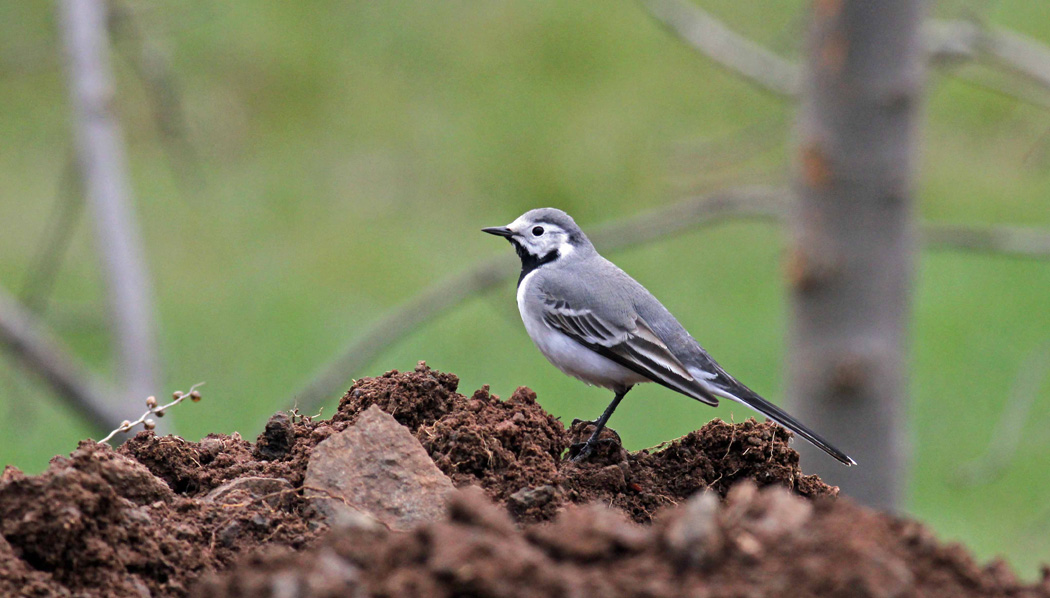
{"x": 537, "y": 231}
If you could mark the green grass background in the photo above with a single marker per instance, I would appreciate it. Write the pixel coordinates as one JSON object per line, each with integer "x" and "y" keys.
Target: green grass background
{"x": 349, "y": 152}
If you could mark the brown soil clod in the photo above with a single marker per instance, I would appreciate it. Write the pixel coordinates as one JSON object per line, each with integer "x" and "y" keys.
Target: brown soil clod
{"x": 722, "y": 511}
{"x": 277, "y": 439}
{"x": 415, "y": 398}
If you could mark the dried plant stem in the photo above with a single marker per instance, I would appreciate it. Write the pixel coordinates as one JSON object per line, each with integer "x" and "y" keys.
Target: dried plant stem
{"x": 154, "y": 409}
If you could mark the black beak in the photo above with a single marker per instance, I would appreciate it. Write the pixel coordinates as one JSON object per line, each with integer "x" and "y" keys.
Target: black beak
{"x": 499, "y": 231}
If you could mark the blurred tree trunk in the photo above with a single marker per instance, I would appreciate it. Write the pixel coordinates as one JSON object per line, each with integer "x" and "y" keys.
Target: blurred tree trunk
{"x": 853, "y": 247}
{"x": 100, "y": 154}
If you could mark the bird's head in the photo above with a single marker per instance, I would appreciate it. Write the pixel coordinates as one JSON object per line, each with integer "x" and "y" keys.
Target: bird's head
{"x": 544, "y": 234}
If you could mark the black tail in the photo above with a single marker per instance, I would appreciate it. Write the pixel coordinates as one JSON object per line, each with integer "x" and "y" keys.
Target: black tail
{"x": 748, "y": 397}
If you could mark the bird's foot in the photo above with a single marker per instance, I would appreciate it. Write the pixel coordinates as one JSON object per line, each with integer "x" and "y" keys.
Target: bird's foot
{"x": 602, "y": 444}
{"x": 580, "y": 451}
{"x": 582, "y": 426}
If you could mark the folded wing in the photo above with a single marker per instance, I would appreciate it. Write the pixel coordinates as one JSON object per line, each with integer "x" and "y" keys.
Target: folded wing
{"x": 636, "y": 348}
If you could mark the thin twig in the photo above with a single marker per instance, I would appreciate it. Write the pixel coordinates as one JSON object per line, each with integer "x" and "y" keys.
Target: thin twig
{"x": 54, "y": 242}
{"x": 153, "y": 69}
{"x": 52, "y": 249}
{"x": 1005, "y": 240}
{"x": 1020, "y": 91}
{"x": 726, "y": 47}
{"x": 153, "y": 409}
{"x": 26, "y": 338}
{"x": 1006, "y": 437}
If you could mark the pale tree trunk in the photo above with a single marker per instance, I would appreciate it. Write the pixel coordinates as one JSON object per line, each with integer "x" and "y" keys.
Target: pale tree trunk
{"x": 102, "y": 162}
{"x": 854, "y": 239}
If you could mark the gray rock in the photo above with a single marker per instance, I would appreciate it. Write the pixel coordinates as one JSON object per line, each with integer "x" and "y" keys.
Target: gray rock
{"x": 785, "y": 514}
{"x": 378, "y": 469}
{"x": 526, "y": 497}
{"x": 694, "y": 534}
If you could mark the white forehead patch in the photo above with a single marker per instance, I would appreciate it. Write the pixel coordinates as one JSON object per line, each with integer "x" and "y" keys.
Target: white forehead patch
{"x": 517, "y": 224}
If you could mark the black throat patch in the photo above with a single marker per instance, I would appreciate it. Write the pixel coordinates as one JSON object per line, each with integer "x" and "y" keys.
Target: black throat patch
{"x": 530, "y": 262}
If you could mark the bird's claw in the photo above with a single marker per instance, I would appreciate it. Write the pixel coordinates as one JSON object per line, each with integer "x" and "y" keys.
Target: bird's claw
{"x": 580, "y": 451}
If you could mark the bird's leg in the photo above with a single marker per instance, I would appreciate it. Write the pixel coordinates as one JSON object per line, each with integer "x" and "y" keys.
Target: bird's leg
{"x": 588, "y": 447}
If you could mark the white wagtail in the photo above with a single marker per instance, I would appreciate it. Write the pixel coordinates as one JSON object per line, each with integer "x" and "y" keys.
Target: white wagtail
{"x": 596, "y": 323}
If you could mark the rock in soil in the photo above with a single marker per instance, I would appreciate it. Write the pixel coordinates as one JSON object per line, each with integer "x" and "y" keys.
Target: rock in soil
{"x": 378, "y": 469}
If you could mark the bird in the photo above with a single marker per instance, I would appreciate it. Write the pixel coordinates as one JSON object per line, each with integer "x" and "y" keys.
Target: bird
{"x": 594, "y": 322}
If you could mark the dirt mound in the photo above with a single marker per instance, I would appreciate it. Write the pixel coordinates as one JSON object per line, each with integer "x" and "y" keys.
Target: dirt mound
{"x": 100, "y": 524}
{"x": 415, "y": 399}
{"x": 161, "y": 513}
{"x": 758, "y": 543}
{"x": 711, "y": 458}
{"x": 514, "y": 450}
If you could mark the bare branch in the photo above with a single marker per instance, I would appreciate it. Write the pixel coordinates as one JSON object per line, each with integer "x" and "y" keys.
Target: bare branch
{"x": 1018, "y": 53}
{"x": 944, "y": 41}
{"x": 1006, "y": 240}
{"x": 736, "y": 203}
{"x": 755, "y": 202}
{"x": 961, "y": 40}
{"x": 1018, "y": 90}
{"x": 30, "y": 342}
{"x": 103, "y": 169}
{"x": 947, "y": 42}
{"x": 726, "y": 47}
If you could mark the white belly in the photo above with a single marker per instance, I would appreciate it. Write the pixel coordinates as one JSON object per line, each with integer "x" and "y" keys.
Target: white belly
{"x": 569, "y": 356}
